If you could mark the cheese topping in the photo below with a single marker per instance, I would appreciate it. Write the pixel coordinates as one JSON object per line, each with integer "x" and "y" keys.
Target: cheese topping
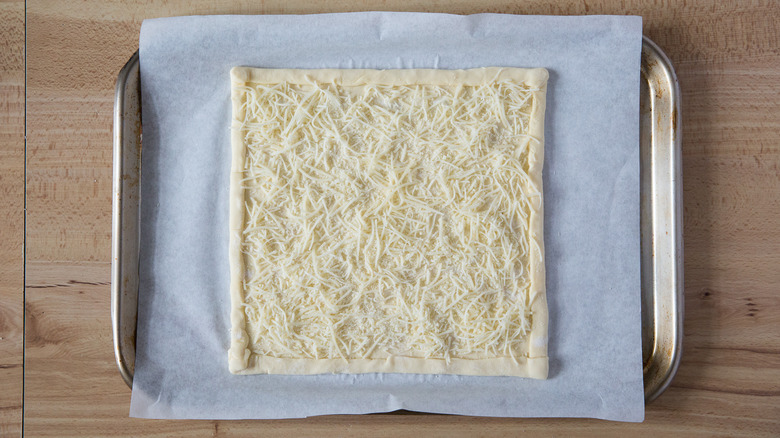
{"x": 383, "y": 220}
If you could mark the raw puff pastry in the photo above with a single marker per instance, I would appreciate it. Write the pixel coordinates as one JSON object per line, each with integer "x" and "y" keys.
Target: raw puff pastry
{"x": 378, "y": 322}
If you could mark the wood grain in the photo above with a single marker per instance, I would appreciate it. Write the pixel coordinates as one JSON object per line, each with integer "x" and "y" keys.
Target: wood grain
{"x": 726, "y": 56}
{"x": 11, "y": 215}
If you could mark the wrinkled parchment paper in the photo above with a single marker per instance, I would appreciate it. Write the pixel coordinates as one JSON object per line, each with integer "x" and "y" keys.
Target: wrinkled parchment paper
{"x": 591, "y": 196}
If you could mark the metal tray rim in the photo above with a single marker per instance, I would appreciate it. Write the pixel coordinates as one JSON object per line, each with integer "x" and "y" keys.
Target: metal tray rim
{"x": 655, "y": 387}
{"x": 117, "y": 239}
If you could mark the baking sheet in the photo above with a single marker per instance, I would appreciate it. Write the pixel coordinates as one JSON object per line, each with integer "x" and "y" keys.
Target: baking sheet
{"x": 591, "y": 186}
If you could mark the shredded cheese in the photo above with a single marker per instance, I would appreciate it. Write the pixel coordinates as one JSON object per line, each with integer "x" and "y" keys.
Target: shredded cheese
{"x": 387, "y": 220}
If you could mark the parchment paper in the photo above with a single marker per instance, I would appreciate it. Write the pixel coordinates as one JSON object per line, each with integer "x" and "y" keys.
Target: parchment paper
{"x": 591, "y": 196}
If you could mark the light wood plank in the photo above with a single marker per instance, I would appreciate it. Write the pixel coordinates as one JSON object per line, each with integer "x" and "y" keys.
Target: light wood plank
{"x": 11, "y": 215}
{"x": 729, "y": 71}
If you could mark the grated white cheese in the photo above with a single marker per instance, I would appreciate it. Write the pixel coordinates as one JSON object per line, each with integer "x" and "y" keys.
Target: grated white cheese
{"x": 387, "y": 220}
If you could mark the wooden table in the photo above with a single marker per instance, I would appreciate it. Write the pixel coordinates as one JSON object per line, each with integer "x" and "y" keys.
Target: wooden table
{"x": 54, "y": 305}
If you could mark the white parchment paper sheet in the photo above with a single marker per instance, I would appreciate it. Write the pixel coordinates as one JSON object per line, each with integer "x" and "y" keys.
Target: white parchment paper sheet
{"x": 591, "y": 195}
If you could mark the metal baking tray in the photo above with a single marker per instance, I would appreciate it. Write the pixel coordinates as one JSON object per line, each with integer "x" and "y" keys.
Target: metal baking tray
{"x": 661, "y": 218}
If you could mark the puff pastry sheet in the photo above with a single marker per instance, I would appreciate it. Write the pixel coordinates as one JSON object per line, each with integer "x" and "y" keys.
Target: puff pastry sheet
{"x": 249, "y": 354}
